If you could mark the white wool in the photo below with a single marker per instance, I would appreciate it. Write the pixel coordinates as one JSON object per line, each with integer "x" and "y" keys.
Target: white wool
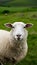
{"x": 9, "y": 45}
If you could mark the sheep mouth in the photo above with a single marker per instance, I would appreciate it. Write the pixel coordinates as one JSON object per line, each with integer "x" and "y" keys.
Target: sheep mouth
{"x": 19, "y": 39}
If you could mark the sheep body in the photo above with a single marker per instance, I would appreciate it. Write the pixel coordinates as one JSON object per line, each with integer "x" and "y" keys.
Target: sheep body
{"x": 6, "y": 50}
{"x": 11, "y": 47}
{"x": 4, "y": 35}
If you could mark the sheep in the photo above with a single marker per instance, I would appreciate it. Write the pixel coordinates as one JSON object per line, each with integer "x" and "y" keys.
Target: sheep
{"x": 13, "y": 44}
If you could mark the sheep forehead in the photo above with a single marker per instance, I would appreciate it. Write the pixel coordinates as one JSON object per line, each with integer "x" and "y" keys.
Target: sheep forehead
{"x": 19, "y": 23}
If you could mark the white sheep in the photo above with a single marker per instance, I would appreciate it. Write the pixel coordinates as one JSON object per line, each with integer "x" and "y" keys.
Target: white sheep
{"x": 13, "y": 44}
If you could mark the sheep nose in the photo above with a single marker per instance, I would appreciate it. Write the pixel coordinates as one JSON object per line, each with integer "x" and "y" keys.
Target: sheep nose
{"x": 18, "y": 36}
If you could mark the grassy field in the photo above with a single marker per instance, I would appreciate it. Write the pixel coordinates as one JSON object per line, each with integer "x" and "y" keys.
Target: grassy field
{"x": 18, "y": 9}
{"x": 18, "y": 3}
{"x": 26, "y": 15}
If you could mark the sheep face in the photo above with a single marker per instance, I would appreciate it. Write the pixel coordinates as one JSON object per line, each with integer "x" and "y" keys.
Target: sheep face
{"x": 18, "y": 31}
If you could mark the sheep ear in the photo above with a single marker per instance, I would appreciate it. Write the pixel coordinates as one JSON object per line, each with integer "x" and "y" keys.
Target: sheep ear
{"x": 9, "y": 25}
{"x": 28, "y": 25}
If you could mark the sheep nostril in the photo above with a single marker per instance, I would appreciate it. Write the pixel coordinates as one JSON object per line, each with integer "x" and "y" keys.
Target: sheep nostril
{"x": 18, "y": 36}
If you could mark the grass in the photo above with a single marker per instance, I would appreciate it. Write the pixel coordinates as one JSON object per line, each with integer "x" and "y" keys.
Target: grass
{"x": 26, "y": 17}
{"x": 18, "y": 3}
{"x": 18, "y": 9}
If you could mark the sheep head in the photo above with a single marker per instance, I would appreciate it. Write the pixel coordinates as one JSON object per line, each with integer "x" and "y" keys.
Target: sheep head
{"x": 18, "y": 30}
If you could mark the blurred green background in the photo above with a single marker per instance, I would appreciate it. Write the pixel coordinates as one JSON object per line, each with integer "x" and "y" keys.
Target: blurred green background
{"x": 25, "y": 11}
{"x": 18, "y": 3}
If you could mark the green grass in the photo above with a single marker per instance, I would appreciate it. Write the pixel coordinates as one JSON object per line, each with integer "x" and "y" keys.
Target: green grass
{"x": 18, "y": 3}
{"x": 18, "y": 9}
{"x": 26, "y": 17}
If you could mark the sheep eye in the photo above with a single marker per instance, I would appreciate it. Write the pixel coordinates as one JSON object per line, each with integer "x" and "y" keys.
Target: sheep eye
{"x": 13, "y": 27}
{"x": 24, "y": 27}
